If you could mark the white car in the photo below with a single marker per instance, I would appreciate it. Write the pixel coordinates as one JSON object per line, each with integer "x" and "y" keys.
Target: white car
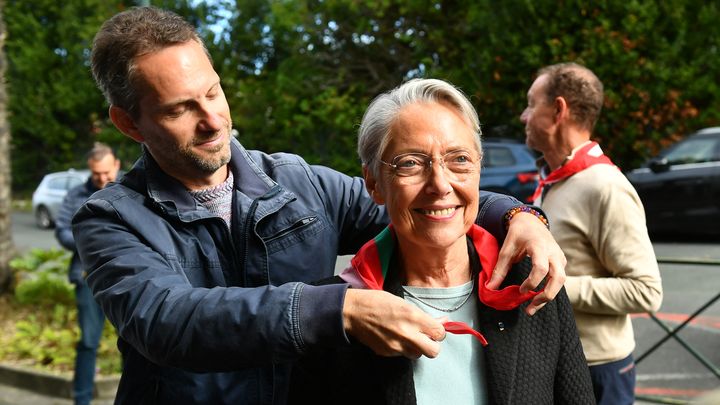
{"x": 48, "y": 196}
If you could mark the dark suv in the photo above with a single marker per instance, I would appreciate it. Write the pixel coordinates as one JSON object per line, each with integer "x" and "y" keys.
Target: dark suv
{"x": 508, "y": 168}
{"x": 680, "y": 188}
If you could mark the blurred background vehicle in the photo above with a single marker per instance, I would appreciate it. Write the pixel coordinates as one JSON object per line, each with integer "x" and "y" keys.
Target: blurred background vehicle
{"x": 680, "y": 187}
{"x": 508, "y": 168}
{"x": 49, "y": 194}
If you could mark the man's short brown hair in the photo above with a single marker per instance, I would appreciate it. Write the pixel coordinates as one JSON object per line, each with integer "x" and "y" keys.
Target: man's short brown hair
{"x": 99, "y": 151}
{"x": 126, "y": 36}
{"x": 580, "y": 88}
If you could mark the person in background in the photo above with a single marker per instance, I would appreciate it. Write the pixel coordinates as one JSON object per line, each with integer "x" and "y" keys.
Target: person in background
{"x": 104, "y": 168}
{"x": 598, "y": 220}
{"x": 201, "y": 255}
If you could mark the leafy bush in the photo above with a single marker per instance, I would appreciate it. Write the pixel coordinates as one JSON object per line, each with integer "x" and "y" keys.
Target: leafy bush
{"x": 45, "y": 340}
{"x": 41, "y": 278}
{"x": 40, "y": 327}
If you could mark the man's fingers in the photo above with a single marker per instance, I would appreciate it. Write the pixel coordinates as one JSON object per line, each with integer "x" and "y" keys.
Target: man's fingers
{"x": 426, "y": 346}
{"x": 435, "y": 330}
{"x": 554, "y": 282}
{"x": 390, "y": 326}
{"x": 536, "y": 304}
{"x": 422, "y": 338}
{"x": 418, "y": 344}
{"x": 501, "y": 268}
{"x": 442, "y": 321}
{"x": 539, "y": 271}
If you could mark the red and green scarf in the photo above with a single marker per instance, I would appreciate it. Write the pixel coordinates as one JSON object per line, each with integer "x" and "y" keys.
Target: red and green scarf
{"x": 587, "y": 156}
{"x": 372, "y": 263}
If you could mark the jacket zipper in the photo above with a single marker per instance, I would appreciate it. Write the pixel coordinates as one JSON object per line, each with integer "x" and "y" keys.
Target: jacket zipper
{"x": 246, "y": 241}
{"x": 297, "y": 225}
{"x": 245, "y": 231}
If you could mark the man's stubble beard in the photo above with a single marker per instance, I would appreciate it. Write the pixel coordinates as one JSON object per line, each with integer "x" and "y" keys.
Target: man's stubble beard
{"x": 208, "y": 165}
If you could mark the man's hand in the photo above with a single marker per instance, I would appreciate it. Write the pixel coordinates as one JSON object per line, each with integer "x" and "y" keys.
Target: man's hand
{"x": 390, "y": 326}
{"x": 529, "y": 236}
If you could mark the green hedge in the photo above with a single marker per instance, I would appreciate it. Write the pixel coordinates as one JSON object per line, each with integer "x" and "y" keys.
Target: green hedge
{"x": 43, "y": 327}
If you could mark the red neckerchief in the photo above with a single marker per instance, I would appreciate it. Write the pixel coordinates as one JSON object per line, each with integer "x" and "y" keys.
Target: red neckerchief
{"x": 588, "y": 155}
{"x": 372, "y": 263}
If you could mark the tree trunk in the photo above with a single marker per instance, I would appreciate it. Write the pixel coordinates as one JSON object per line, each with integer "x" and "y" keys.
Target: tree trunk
{"x": 6, "y": 244}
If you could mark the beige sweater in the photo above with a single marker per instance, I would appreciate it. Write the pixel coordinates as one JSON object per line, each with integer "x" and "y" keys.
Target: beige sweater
{"x": 599, "y": 222}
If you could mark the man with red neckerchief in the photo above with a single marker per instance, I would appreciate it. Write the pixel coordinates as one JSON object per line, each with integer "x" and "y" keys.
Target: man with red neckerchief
{"x": 597, "y": 219}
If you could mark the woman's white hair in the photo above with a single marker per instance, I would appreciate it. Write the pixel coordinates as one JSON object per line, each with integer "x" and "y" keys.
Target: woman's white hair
{"x": 373, "y": 136}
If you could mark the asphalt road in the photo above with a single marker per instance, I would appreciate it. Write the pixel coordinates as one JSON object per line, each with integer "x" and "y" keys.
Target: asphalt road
{"x": 26, "y": 235}
{"x": 669, "y": 372}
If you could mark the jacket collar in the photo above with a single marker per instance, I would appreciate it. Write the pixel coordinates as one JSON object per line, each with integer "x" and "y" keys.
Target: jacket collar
{"x": 172, "y": 195}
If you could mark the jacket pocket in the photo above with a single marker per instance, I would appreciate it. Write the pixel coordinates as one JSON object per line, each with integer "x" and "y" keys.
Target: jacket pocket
{"x": 297, "y": 231}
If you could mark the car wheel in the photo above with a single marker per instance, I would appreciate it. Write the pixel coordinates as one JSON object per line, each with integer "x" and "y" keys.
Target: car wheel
{"x": 43, "y": 218}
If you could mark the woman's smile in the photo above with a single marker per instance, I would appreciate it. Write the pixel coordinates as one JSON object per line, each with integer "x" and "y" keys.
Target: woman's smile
{"x": 439, "y": 213}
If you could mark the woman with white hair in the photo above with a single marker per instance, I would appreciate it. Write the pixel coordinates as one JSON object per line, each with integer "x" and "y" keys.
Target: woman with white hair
{"x": 421, "y": 154}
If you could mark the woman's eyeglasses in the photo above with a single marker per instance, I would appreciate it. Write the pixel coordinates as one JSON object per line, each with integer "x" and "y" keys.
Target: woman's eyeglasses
{"x": 415, "y": 166}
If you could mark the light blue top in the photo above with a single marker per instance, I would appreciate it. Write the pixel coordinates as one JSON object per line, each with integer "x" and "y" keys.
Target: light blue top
{"x": 456, "y": 376}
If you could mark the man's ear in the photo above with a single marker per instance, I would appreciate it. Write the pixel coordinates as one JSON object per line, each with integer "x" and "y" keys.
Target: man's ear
{"x": 124, "y": 122}
{"x": 562, "y": 110}
{"x": 371, "y": 186}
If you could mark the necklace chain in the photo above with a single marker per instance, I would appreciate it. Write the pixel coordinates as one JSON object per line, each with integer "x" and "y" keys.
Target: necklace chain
{"x": 451, "y": 309}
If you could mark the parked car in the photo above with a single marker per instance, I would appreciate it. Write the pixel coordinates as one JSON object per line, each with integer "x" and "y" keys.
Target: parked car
{"x": 680, "y": 187}
{"x": 508, "y": 168}
{"x": 48, "y": 196}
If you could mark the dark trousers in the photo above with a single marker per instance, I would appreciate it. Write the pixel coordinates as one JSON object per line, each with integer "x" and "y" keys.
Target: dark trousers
{"x": 91, "y": 320}
{"x": 614, "y": 382}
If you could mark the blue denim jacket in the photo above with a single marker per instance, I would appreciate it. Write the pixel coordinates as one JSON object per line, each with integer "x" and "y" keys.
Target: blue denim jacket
{"x": 75, "y": 197}
{"x": 209, "y": 315}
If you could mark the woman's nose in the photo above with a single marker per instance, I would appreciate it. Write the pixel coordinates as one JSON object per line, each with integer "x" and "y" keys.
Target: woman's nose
{"x": 438, "y": 182}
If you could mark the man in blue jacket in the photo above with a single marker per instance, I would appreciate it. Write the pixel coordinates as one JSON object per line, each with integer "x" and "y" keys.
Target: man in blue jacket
{"x": 104, "y": 168}
{"x": 201, "y": 255}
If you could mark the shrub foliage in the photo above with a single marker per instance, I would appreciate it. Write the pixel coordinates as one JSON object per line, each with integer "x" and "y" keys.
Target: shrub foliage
{"x": 41, "y": 327}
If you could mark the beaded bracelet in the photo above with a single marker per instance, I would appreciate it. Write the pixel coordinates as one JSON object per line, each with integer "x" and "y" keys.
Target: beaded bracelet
{"x": 524, "y": 208}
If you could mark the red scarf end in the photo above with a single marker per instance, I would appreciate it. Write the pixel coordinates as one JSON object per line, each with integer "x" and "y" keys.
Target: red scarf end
{"x": 461, "y": 328}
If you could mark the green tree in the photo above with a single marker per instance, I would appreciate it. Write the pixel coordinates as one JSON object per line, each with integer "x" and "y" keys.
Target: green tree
{"x": 303, "y": 73}
{"x": 658, "y": 62}
{"x": 299, "y": 74}
{"x": 55, "y": 109}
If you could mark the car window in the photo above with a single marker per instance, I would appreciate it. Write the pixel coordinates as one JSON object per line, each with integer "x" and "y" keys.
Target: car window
{"x": 498, "y": 157}
{"x": 58, "y": 183}
{"x": 696, "y": 150}
{"x": 74, "y": 181}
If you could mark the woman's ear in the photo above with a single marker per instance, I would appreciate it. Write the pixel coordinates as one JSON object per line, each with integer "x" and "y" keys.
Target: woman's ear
{"x": 371, "y": 186}
{"x": 124, "y": 122}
